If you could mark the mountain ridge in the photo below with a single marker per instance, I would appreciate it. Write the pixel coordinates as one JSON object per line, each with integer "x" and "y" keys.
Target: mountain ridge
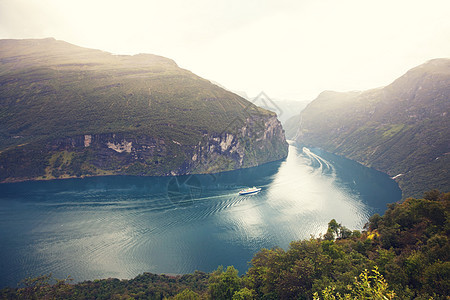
{"x": 401, "y": 129}
{"x": 69, "y": 111}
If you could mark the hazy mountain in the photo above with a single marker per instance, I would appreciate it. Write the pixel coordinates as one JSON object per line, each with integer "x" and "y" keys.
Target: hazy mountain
{"x": 68, "y": 111}
{"x": 402, "y": 129}
{"x": 285, "y": 109}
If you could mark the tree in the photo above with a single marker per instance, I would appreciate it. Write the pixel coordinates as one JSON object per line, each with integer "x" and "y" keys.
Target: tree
{"x": 41, "y": 288}
{"x": 367, "y": 286}
{"x": 432, "y": 195}
{"x": 336, "y": 230}
{"x": 187, "y": 294}
{"x": 333, "y": 227}
{"x": 244, "y": 294}
{"x": 223, "y": 285}
{"x": 374, "y": 222}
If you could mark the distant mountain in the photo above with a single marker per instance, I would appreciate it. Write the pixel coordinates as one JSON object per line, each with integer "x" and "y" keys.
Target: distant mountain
{"x": 402, "y": 129}
{"x": 285, "y": 109}
{"x": 67, "y": 111}
{"x": 291, "y": 127}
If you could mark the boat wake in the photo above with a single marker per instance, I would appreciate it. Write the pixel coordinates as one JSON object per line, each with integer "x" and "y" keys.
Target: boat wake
{"x": 320, "y": 165}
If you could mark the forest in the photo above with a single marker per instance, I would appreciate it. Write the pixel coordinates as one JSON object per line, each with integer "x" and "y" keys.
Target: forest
{"x": 403, "y": 254}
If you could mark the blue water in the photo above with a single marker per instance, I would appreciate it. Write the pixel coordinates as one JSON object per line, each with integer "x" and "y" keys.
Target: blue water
{"x": 121, "y": 226}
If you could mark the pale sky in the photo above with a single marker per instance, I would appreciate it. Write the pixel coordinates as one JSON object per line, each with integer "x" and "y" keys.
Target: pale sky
{"x": 289, "y": 49}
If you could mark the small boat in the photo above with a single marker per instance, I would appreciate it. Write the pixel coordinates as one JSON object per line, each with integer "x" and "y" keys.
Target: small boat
{"x": 252, "y": 190}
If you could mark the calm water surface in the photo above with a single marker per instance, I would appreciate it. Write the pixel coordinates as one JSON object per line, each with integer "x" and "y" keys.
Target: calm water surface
{"x": 121, "y": 226}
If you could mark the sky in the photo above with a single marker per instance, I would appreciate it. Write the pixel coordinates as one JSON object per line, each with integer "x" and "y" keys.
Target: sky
{"x": 288, "y": 49}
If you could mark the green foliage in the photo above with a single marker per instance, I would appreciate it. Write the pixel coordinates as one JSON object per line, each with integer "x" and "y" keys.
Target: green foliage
{"x": 223, "y": 285}
{"x": 409, "y": 244}
{"x": 144, "y": 286}
{"x": 367, "y": 286}
{"x": 373, "y": 221}
{"x": 187, "y": 294}
{"x": 336, "y": 230}
{"x": 27, "y": 161}
{"x": 244, "y": 294}
{"x": 42, "y": 287}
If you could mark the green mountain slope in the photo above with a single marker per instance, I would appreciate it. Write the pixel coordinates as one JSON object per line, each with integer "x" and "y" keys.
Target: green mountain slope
{"x": 402, "y": 129}
{"x": 68, "y": 111}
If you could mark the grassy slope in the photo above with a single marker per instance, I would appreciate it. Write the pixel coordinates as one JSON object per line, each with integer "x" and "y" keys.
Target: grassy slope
{"x": 92, "y": 91}
{"x": 400, "y": 129}
{"x": 51, "y": 89}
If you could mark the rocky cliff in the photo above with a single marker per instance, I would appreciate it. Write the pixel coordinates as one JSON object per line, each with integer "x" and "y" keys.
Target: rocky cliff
{"x": 67, "y": 111}
{"x": 402, "y": 129}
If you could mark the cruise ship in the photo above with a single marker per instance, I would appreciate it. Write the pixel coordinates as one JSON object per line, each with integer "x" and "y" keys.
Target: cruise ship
{"x": 252, "y": 190}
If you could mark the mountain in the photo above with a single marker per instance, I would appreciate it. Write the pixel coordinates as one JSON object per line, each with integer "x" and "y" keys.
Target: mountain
{"x": 68, "y": 111}
{"x": 291, "y": 126}
{"x": 402, "y": 129}
{"x": 285, "y": 109}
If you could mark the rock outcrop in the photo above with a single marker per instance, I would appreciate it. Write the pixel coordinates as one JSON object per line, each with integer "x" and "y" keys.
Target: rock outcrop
{"x": 127, "y": 154}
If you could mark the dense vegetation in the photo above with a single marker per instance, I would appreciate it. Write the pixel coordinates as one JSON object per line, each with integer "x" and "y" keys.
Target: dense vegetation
{"x": 54, "y": 94}
{"x": 403, "y": 254}
{"x": 402, "y": 129}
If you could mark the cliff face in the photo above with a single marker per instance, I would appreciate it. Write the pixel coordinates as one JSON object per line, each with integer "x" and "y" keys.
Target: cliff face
{"x": 67, "y": 111}
{"x": 127, "y": 154}
{"x": 402, "y": 129}
{"x": 255, "y": 141}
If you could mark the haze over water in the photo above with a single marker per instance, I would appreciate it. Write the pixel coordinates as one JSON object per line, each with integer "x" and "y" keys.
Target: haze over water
{"x": 121, "y": 226}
